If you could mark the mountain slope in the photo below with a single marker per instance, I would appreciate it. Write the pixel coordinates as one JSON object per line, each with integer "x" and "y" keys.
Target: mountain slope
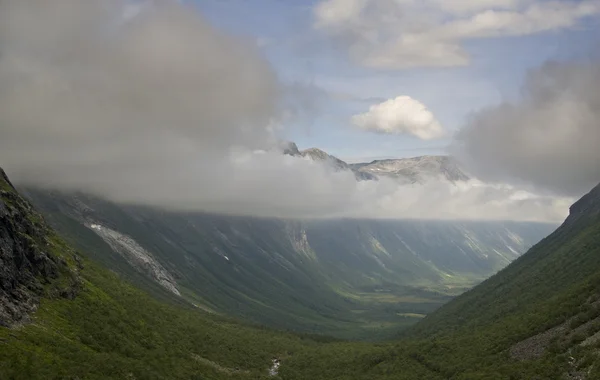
{"x": 84, "y": 322}
{"x": 568, "y": 257}
{"x": 539, "y": 318}
{"x": 416, "y": 169}
{"x": 316, "y": 154}
{"x": 31, "y": 262}
{"x": 337, "y": 277}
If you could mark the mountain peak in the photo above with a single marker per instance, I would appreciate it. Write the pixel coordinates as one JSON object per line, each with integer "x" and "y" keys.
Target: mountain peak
{"x": 290, "y": 148}
{"x": 316, "y": 153}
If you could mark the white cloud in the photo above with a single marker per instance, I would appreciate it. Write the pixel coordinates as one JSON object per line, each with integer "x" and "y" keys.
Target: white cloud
{"x": 164, "y": 110}
{"x": 401, "y": 115}
{"x": 462, "y": 7}
{"x": 397, "y": 34}
{"x": 549, "y": 139}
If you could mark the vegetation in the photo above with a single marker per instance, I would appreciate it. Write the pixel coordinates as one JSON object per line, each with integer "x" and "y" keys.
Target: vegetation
{"x": 348, "y": 278}
{"x": 537, "y": 319}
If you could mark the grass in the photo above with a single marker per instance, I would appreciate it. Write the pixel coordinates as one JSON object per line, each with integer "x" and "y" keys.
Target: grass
{"x": 112, "y": 329}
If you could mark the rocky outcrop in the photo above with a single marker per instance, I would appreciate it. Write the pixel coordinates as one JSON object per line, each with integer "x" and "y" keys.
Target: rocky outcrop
{"x": 27, "y": 267}
{"x": 139, "y": 258}
{"x": 416, "y": 169}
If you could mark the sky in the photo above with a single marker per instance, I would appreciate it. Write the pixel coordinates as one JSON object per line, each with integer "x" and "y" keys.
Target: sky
{"x": 183, "y": 105}
{"x": 304, "y": 55}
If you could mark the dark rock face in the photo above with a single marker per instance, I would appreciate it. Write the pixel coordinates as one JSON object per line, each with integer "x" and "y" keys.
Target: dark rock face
{"x": 290, "y": 148}
{"x": 587, "y": 206}
{"x": 26, "y": 265}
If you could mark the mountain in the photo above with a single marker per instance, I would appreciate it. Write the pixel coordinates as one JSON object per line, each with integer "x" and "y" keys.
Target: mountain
{"x": 348, "y": 278}
{"x": 30, "y": 263}
{"x": 416, "y": 169}
{"x": 69, "y": 318}
{"x": 563, "y": 261}
{"x": 405, "y": 170}
{"x": 539, "y": 318}
{"x": 319, "y": 155}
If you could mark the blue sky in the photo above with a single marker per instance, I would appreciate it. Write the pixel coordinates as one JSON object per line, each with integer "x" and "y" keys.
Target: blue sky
{"x": 335, "y": 87}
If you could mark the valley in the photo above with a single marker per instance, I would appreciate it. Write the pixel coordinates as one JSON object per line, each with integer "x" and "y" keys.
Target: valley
{"x": 353, "y": 279}
{"x": 108, "y": 327}
{"x": 291, "y": 190}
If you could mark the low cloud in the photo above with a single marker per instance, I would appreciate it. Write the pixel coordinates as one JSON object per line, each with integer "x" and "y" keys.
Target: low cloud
{"x": 154, "y": 106}
{"x": 392, "y": 34}
{"x": 401, "y": 115}
{"x": 549, "y": 140}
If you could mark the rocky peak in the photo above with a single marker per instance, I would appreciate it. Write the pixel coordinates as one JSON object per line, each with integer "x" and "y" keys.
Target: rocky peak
{"x": 317, "y": 154}
{"x": 290, "y": 148}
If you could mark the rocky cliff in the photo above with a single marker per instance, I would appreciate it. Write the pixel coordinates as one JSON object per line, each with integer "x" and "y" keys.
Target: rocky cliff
{"x": 31, "y": 261}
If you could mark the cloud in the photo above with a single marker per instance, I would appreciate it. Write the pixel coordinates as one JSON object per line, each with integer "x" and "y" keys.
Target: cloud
{"x": 72, "y": 77}
{"x": 548, "y": 140}
{"x": 399, "y": 34}
{"x": 401, "y": 115}
{"x": 157, "y": 107}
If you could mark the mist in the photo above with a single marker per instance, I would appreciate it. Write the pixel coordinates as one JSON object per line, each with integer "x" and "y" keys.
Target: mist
{"x": 548, "y": 141}
{"x": 157, "y": 107}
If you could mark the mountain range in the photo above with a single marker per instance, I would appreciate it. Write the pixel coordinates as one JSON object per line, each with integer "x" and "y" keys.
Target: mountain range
{"x": 68, "y": 316}
{"x": 349, "y": 278}
{"x": 405, "y": 170}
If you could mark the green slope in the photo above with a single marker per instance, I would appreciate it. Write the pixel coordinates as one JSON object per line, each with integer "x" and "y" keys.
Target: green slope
{"x": 106, "y": 328}
{"x": 537, "y": 319}
{"x": 348, "y": 278}
{"x": 111, "y": 329}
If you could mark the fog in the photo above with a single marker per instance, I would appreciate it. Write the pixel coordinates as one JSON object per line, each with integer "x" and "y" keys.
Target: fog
{"x": 549, "y": 140}
{"x": 157, "y": 107}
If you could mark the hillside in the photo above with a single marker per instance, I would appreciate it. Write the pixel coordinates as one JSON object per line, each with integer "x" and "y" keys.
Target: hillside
{"x": 349, "y": 278}
{"x": 537, "y": 319}
{"x": 32, "y": 264}
{"x": 567, "y": 259}
{"x": 70, "y": 318}
{"x": 319, "y": 155}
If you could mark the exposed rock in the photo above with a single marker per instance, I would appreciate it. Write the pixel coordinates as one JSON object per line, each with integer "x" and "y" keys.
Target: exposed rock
{"x": 535, "y": 346}
{"x": 563, "y": 334}
{"x": 290, "y": 148}
{"x": 316, "y": 154}
{"x": 416, "y": 169}
{"x": 27, "y": 266}
{"x": 136, "y": 256}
